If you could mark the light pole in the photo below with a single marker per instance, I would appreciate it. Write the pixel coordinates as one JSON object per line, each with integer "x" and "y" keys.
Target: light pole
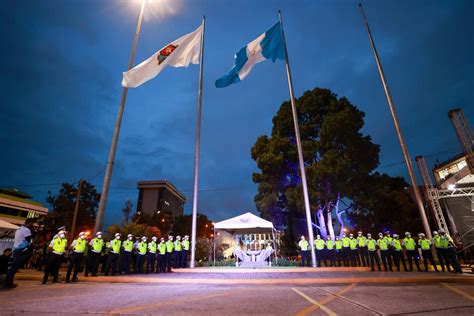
{"x": 118, "y": 123}
{"x": 76, "y": 210}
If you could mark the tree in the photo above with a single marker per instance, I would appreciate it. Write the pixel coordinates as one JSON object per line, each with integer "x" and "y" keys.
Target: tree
{"x": 137, "y": 230}
{"x": 64, "y": 202}
{"x": 337, "y": 156}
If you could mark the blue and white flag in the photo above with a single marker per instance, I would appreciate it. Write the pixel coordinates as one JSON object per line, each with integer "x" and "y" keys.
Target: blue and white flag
{"x": 269, "y": 45}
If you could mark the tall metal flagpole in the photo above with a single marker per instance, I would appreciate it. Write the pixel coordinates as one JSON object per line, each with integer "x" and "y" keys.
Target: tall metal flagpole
{"x": 300, "y": 150}
{"x": 118, "y": 122}
{"x": 198, "y": 144}
{"x": 416, "y": 190}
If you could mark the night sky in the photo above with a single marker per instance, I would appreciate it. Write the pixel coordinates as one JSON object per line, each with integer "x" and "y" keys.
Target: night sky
{"x": 61, "y": 68}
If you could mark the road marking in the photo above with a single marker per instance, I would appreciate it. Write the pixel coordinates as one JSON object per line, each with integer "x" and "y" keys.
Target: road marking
{"x": 187, "y": 299}
{"x": 325, "y": 301}
{"x": 459, "y": 291}
{"x": 309, "y": 299}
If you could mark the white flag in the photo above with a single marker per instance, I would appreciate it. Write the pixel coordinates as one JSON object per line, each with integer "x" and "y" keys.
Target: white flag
{"x": 180, "y": 53}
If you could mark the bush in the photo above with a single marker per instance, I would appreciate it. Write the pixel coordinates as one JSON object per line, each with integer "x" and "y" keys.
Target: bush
{"x": 284, "y": 263}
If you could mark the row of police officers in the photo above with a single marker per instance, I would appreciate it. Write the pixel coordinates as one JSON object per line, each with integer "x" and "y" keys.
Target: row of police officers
{"x": 147, "y": 257}
{"x": 387, "y": 249}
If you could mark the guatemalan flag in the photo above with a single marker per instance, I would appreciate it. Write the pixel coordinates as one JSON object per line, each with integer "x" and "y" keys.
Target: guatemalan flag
{"x": 269, "y": 45}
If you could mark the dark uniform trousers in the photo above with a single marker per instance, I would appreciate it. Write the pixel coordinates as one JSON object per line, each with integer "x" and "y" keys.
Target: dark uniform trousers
{"x": 177, "y": 259}
{"x": 139, "y": 261}
{"x": 111, "y": 263}
{"x": 355, "y": 257}
{"x": 125, "y": 262}
{"x": 346, "y": 251}
{"x": 453, "y": 259}
{"x": 305, "y": 257}
{"x": 339, "y": 257}
{"x": 94, "y": 259}
{"x": 364, "y": 256}
{"x": 320, "y": 257}
{"x": 374, "y": 258}
{"x": 75, "y": 261}
{"x": 169, "y": 259}
{"x": 161, "y": 263}
{"x": 441, "y": 259}
{"x": 413, "y": 255}
{"x": 397, "y": 257}
{"x": 52, "y": 267}
{"x": 184, "y": 258}
{"x": 386, "y": 259}
{"x": 150, "y": 262}
{"x": 331, "y": 256}
{"x": 427, "y": 255}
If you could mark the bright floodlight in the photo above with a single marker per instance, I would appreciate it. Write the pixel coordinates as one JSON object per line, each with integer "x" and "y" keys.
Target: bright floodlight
{"x": 451, "y": 187}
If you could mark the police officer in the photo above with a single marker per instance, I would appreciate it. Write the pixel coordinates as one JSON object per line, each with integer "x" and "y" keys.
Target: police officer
{"x": 169, "y": 253}
{"x": 384, "y": 254}
{"x": 177, "y": 253}
{"x": 448, "y": 247}
{"x": 412, "y": 253}
{"x": 141, "y": 248}
{"x": 398, "y": 252}
{"x": 319, "y": 244}
{"x": 161, "y": 256}
{"x": 372, "y": 250}
{"x": 364, "y": 255}
{"x": 97, "y": 245}
{"x": 346, "y": 249}
{"x": 304, "y": 245}
{"x": 330, "y": 252}
{"x": 436, "y": 241}
{"x": 78, "y": 247}
{"x": 338, "y": 245}
{"x": 185, "y": 251}
{"x": 390, "y": 248}
{"x": 114, "y": 254}
{"x": 151, "y": 259}
{"x": 57, "y": 247}
{"x": 126, "y": 259}
{"x": 425, "y": 245}
{"x": 353, "y": 243}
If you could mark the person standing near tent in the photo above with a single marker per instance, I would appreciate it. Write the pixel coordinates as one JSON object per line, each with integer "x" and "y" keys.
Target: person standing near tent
{"x": 304, "y": 245}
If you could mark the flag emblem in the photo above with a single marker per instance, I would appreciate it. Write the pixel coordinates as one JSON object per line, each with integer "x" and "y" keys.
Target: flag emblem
{"x": 165, "y": 52}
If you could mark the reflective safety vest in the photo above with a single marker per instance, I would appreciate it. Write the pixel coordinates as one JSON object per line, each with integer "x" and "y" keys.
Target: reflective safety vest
{"x": 362, "y": 241}
{"x": 338, "y": 244}
{"x": 169, "y": 246}
{"x": 330, "y": 244}
{"x": 303, "y": 244}
{"x": 371, "y": 245}
{"x": 142, "y": 248}
{"x": 59, "y": 245}
{"x": 353, "y": 243}
{"x": 97, "y": 245}
{"x": 185, "y": 244}
{"x": 409, "y": 243}
{"x": 345, "y": 241}
{"x": 319, "y": 243}
{"x": 437, "y": 241}
{"x": 445, "y": 241}
{"x": 115, "y": 245}
{"x": 390, "y": 239}
{"x": 80, "y": 245}
{"x": 424, "y": 244}
{"x": 383, "y": 243}
{"x": 162, "y": 248}
{"x": 152, "y": 247}
{"x": 177, "y": 245}
{"x": 127, "y": 245}
{"x": 397, "y": 245}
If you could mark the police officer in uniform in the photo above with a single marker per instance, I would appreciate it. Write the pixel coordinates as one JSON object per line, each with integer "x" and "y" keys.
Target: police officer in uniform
{"x": 151, "y": 259}
{"x": 185, "y": 251}
{"x": 141, "y": 248}
{"x": 398, "y": 252}
{"x": 57, "y": 247}
{"x": 169, "y": 253}
{"x": 338, "y": 245}
{"x": 390, "y": 248}
{"x": 346, "y": 249}
{"x": 449, "y": 249}
{"x": 425, "y": 245}
{"x": 372, "y": 250}
{"x": 97, "y": 245}
{"x": 126, "y": 259}
{"x": 78, "y": 247}
{"x": 161, "y": 256}
{"x": 319, "y": 244}
{"x": 304, "y": 245}
{"x": 114, "y": 254}
{"x": 384, "y": 254}
{"x": 436, "y": 241}
{"x": 353, "y": 243}
{"x": 412, "y": 252}
{"x": 364, "y": 255}
{"x": 177, "y": 253}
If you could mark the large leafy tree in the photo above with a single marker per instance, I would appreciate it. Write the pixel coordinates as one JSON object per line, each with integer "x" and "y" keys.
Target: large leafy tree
{"x": 63, "y": 204}
{"x": 338, "y": 158}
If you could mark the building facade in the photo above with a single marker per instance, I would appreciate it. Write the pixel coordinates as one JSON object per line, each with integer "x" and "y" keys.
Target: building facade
{"x": 159, "y": 196}
{"x": 17, "y": 206}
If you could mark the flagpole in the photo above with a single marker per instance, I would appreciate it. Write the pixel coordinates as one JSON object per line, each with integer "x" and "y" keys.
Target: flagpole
{"x": 198, "y": 145}
{"x": 118, "y": 123}
{"x": 411, "y": 173}
{"x": 300, "y": 150}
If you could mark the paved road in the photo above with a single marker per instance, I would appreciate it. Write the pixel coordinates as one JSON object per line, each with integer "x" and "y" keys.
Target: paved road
{"x": 32, "y": 298}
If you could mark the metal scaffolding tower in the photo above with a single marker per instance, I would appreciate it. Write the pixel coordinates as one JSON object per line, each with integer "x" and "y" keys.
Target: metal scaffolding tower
{"x": 464, "y": 133}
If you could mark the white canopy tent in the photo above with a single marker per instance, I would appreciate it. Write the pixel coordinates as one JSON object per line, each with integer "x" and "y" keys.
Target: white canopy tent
{"x": 247, "y": 223}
